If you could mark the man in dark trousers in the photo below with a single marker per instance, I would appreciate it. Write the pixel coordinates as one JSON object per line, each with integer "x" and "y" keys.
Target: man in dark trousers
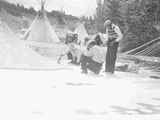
{"x": 114, "y": 35}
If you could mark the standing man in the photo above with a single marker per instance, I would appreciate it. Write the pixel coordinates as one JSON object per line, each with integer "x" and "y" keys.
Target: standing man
{"x": 114, "y": 36}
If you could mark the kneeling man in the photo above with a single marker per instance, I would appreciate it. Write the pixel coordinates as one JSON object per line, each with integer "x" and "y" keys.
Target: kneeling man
{"x": 93, "y": 58}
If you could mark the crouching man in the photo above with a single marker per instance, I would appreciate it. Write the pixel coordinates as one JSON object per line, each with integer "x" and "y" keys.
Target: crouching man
{"x": 93, "y": 58}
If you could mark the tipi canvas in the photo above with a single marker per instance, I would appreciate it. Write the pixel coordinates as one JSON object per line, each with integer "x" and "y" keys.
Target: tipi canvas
{"x": 6, "y": 34}
{"x": 15, "y": 53}
{"x": 82, "y": 33}
{"x": 41, "y": 30}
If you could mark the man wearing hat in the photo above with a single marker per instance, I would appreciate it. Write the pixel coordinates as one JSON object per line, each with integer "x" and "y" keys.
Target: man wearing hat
{"x": 114, "y": 36}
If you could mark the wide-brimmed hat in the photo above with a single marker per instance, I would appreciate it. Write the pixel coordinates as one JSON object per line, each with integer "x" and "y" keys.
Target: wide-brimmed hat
{"x": 107, "y": 22}
{"x": 92, "y": 42}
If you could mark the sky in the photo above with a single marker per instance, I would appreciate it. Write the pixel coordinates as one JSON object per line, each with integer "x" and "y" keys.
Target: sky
{"x": 73, "y": 7}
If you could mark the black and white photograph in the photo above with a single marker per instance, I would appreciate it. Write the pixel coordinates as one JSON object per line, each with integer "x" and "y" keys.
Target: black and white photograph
{"x": 79, "y": 59}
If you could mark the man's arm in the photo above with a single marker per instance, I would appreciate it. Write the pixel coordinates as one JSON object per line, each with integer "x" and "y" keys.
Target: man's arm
{"x": 90, "y": 52}
{"x": 62, "y": 55}
{"x": 118, "y": 31}
{"x": 105, "y": 38}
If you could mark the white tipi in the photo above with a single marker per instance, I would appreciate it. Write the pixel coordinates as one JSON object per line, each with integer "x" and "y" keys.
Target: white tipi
{"x": 41, "y": 30}
{"x": 82, "y": 33}
{"x": 15, "y": 53}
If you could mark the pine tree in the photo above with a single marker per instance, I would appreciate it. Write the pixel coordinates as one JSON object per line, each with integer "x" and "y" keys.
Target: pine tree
{"x": 112, "y": 11}
{"x": 139, "y": 18}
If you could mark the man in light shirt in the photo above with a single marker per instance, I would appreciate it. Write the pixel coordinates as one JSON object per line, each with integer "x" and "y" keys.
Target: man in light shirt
{"x": 114, "y": 36}
{"x": 93, "y": 58}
